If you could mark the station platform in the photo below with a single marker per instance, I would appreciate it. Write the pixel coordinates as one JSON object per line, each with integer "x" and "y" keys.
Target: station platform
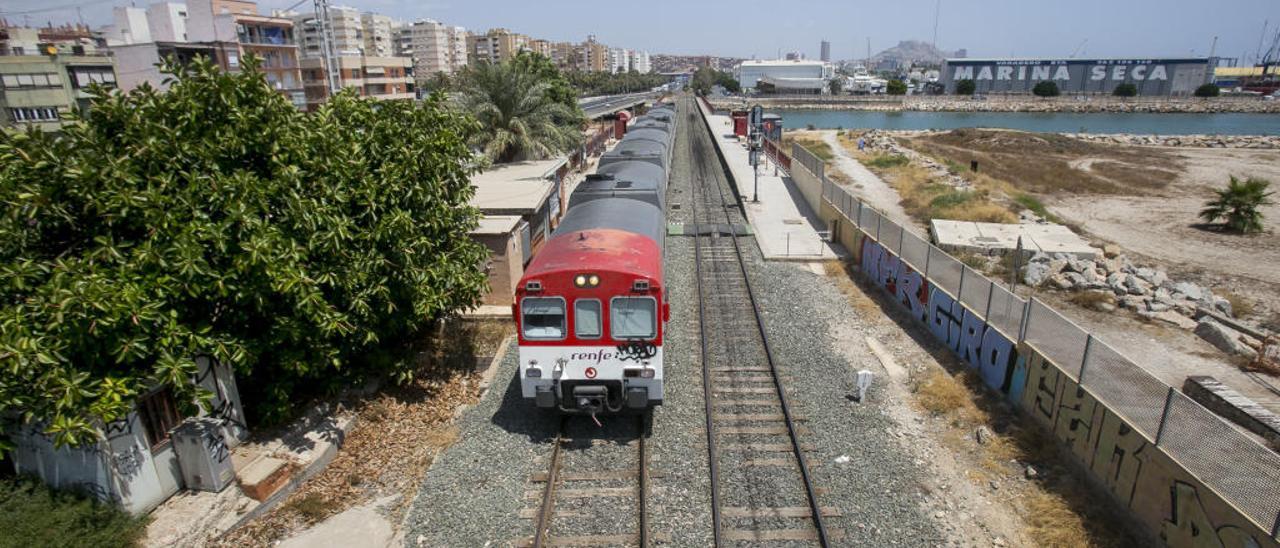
{"x": 786, "y": 228}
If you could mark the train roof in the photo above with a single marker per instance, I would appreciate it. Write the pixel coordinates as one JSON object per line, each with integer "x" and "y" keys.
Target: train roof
{"x": 620, "y": 213}
{"x": 600, "y": 187}
{"x": 629, "y": 169}
{"x": 598, "y": 249}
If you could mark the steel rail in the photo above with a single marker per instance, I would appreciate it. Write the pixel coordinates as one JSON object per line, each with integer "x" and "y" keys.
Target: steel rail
{"x": 644, "y": 479}
{"x": 712, "y": 452}
{"x": 806, "y": 478}
{"x": 549, "y": 491}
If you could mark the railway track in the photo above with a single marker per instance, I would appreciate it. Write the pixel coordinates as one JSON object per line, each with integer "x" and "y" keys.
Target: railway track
{"x": 761, "y": 486}
{"x": 578, "y": 502}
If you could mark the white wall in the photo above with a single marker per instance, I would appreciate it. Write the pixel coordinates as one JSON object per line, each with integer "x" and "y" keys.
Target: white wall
{"x": 136, "y": 64}
{"x": 168, "y": 21}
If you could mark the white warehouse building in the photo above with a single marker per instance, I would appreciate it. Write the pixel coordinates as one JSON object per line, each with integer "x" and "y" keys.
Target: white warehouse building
{"x": 785, "y": 76}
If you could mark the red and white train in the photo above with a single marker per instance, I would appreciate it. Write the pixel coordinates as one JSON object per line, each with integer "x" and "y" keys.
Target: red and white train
{"x": 591, "y": 308}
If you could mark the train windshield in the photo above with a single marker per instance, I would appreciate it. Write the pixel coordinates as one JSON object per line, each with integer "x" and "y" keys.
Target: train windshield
{"x": 542, "y": 317}
{"x": 586, "y": 318}
{"x": 633, "y": 318}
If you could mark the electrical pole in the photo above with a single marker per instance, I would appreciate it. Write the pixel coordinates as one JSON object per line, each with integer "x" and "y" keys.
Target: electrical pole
{"x": 331, "y": 63}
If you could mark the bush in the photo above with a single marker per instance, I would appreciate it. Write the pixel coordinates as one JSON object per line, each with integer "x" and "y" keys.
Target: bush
{"x": 1208, "y": 90}
{"x": 1046, "y": 88}
{"x": 896, "y": 87}
{"x": 886, "y": 161}
{"x": 1125, "y": 90}
{"x": 966, "y": 87}
{"x": 1238, "y": 205}
{"x": 216, "y": 219}
{"x": 32, "y": 514}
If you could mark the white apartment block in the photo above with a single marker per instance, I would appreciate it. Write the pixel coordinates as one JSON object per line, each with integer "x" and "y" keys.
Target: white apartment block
{"x": 348, "y": 31}
{"x": 167, "y": 21}
{"x": 128, "y": 26}
{"x": 640, "y": 62}
{"x": 378, "y": 38}
{"x": 619, "y": 60}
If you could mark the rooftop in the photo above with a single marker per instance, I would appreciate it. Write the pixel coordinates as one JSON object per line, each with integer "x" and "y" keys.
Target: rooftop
{"x": 497, "y": 224}
{"x": 776, "y": 62}
{"x": 519, "y": 187}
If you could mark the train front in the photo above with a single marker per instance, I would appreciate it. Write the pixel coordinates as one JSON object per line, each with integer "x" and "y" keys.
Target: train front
{"x": 590, "y": 313}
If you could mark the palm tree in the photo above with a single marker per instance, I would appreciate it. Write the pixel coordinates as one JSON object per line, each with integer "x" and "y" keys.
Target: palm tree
{"x": 518, "y": 118}
{"x": 1238, "y": 204}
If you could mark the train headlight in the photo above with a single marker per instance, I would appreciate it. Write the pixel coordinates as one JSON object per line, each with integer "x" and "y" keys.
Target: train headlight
{"x": 647, "y": 373}
{"x": 586, "y": 280}
{"x": 580, "y": 280}
{"x": 593, "y": 280}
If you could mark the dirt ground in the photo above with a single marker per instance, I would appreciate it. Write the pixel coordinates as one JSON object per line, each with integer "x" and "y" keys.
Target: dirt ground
{"x": 1162, "y": 225}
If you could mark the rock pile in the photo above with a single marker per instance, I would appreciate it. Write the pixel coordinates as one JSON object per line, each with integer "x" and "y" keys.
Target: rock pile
{"x": 1147, "y": 291}
{"x": 1193, "y": 141}
{"x": 881, "y": 141}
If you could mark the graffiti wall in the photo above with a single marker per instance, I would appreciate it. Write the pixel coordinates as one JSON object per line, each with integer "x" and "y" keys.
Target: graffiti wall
{"x": 1175, "y": 506}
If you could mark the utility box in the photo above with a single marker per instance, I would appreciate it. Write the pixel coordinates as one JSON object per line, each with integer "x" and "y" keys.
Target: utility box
{"x": 620, "y": 124}
{"x": 203, "y": 455}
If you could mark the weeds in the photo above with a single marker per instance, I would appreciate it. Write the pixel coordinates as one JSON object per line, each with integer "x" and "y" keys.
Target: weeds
{"x": 1240, "y": 307}
{"x": 32, "y": 514}
{"x": 1093, "y": 300}
{"x": 886, "y": 161}
{"x": 312, "y": 507}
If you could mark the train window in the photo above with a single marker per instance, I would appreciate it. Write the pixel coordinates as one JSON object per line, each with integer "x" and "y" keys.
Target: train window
{"x": 542, "y": 317}
{"x": 633, "y": 317}
{"x": 586, "y": 319}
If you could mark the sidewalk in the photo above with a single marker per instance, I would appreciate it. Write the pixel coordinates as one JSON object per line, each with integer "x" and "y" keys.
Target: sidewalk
{"x": 786, "y": 229}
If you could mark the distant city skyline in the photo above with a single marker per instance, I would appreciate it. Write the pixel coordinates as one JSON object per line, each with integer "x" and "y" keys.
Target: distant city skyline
{"x": 990, "y": 28}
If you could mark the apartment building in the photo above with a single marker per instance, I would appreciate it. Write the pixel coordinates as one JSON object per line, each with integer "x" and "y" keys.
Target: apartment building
{"x": 593, "y": 56}
{"x": 375, "y": 77}
{"x": 42, "y": 80}
{"x": 378, "y": 38}
{"x": 619, "y": 60}
{"x": 434, "y": 47}
{"x": 270, "y": 39}
{"x": 640, "y": 62}
{"x": 495, "y": 46}
{"x": 565, "y": 56}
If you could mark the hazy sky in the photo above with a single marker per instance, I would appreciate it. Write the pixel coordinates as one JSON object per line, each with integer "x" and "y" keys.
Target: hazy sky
{"x": 743, "y": 28}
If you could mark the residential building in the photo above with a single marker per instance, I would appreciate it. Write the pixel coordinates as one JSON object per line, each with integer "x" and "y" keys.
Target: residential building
{"x": 640, "y": 62}
{"x": 540, "y": 47}
{"x": 619, "y": 60}
{"x": 375, "y": 77}
{"x": 140, "y": 63}
{"x": 495, "y": 46}
{"x": 593, "y": 56}
{"x": 565, "y": 56}
{"x": 129, "y": 26}
{"x": 39, "y": 87}
{"x": 270, "y": 39}
{"x": 167, "y": 21}
{"x": 434, "y": 47}
{"x": 18, "y": 40}
{"x": 378, "y": 39}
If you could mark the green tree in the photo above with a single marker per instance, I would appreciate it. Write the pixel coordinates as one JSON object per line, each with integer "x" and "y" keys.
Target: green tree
{"x": 1125, "y": 90}
{"x": 836, "y": 85}
{"x": 604, "y": 83}
{"x": 441, "y": 82}
{"x": 1238, "y": 204}
{"x": 1046, "y": 88}
{"x": 896, "y": 87}
{"x": 216, "y": 219}
{"x": 519, "y": 118}
{"x": 966, "y": 87}
{"x": 1208, "y": 90}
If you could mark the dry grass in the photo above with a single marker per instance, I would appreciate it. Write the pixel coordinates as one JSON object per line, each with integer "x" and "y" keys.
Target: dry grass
{"x": 1240, "y": 306}
{"x": 1092, "y": 299}
{"x": 942, "y": 395}
{"x": 1053, "y": 523}
{"x": 1039, "y": 162}
{"x": 842, "y": 274}
{"x": 312, "y": 507}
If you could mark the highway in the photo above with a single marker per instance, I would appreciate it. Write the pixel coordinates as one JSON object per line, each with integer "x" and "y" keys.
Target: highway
{"x": 595, "y": 107}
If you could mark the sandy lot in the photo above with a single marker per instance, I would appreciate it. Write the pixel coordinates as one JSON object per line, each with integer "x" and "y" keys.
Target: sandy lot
{"x": 1161, "y": 226}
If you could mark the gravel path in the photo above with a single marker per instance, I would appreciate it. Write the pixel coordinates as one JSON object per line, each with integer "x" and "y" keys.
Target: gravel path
{"x": 871, "y": 187}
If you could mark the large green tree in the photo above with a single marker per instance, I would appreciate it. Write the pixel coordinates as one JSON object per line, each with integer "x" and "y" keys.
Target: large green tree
{"x": 592, "y": 83}
{"x": 519, "y": 114}
{"x": 215, "y": 219}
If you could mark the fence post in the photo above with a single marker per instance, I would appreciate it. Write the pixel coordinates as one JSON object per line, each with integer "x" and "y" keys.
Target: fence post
{"x": 857, "y": 220}
{"x": 1164, "y": 417}
{"x": 928, "y": 254}
{"x": 991, "y": 292}
{"x": 1084, "y": 360}
{"x": 902, "y": 237}
{"x": 879, "y": 219}
{"x": 960, "y": 290}
{"x": 1026, "y": 320}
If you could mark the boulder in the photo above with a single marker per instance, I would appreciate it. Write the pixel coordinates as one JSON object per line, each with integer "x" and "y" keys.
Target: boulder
{"x": 1189, "y": 290}
{"x": 1223, "y": 338}
{"x": 1136, "y": 286}
{"x": 1116, "y": 282}
{"x": 1111, "y": 251}
{"x": 1145, "y": 273}
{"x": 1163, "y": 296}
{"x": 1157, "y": 306}
{"x": 1061, "y": 281}
{"x": 1134, "y": 302}
{"x": 1159, "y": 279}
{"x": 1222, "y": 305}
{"x": 1077, "y": 280}
{"x": 1035, "y": 273}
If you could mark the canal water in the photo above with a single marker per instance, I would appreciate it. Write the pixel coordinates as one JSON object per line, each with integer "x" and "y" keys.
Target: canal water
{"x": 1057, "y": 122}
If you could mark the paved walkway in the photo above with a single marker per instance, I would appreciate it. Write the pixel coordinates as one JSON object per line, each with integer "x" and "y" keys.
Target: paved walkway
{"x": 872, "y": 189}
{"x": 786, "y": 228}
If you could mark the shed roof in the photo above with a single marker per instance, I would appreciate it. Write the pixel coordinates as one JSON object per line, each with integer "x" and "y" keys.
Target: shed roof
{"x": 515, "y": 188}
{"x": 497, "y": 224}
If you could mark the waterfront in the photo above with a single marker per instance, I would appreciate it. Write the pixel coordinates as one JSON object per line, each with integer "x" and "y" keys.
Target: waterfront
{"x": 1057, "y": 122}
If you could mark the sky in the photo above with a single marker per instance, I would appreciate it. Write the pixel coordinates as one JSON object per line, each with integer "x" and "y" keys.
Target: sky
{"x": 746, "y": 28}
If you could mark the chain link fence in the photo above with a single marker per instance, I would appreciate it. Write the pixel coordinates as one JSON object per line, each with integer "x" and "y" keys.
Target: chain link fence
{"x": 1230, "y": 462}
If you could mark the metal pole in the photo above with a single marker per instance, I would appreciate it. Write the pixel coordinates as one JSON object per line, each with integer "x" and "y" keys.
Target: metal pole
{"x": 879, "y": 218}
{"x": 857, "y": 221}
{"x": 960, "y": 292}
{"x": 902, "y": 237}
{"x": 1164, "y": 416}
{"x": 928, "y": 254}
{"x": 788, "y": 244}
{"x": 1026, "y": 320}
{"x": 1084, "y": 360}
{"x": 991, "y": 292}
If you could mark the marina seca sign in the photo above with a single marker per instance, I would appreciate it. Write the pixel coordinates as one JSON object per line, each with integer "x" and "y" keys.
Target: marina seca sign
{"x": 1118, "y": 69}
